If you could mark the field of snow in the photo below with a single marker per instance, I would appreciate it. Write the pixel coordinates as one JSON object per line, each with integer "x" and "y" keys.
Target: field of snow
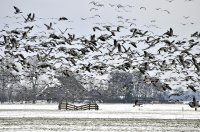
{"x": 110, "y": 117}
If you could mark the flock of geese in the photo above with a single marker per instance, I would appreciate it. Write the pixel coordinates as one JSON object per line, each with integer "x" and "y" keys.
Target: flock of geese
{"x": 108, "y": 48}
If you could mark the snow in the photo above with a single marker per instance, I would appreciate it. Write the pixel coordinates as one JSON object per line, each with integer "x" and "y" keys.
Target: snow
{"x": 110, "y": 117}
{"x": 146, "y": 111}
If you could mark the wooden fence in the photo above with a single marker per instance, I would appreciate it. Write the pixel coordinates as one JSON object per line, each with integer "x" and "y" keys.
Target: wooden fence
{"x": 66, "y": 106}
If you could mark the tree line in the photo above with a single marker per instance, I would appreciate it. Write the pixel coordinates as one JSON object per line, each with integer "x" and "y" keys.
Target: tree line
{"x": 123, "y": 87}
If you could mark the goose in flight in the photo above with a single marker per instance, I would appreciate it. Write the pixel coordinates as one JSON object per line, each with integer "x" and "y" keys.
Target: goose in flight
{"x": 157, "y": 8}
{"x": 96, "y": 28}
{"x": 95, "y": 9}
{"x": 49, "y": 27}
{"x": 167, "y": 11}
{"x": 144, "y": 8}
{"x": 17, "y": 10}
{"x": 32, "y": 18}
{"x": 93, "y": 2}
{"x": 169, "y": 33}
{"x": 192, "y": 88}
{"x": 63, "y": 32}
{"x": 170, "y": 1}
{"x": 186, "y": 17}
{"x": 62, "y": 19}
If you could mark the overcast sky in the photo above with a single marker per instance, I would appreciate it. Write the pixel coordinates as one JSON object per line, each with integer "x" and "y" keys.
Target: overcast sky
{"x": 77, "y": 9}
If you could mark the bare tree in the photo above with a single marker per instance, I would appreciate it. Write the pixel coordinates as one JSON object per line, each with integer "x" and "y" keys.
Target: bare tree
{"x": 7, "y": 81}
{"x": 71, "y": 88}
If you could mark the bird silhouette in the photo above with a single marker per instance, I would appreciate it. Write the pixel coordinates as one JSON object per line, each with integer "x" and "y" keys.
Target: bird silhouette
{"x": 62, "y": 19}
{"x": 194, "y": 103}
{"x": 169, "y": 33}
{"x": 168, "y": 12}
{"x": 192, "y": 88}
{"x": 96, "y": 28}
{"x": 49, "y": 27}
{"x": 17, "y": 10}
{"x": 144, "y": 8}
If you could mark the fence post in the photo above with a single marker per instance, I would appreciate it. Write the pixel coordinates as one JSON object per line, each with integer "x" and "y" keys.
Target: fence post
{"x": 66, "y": 106}
{"x": 96, "y": 107}
{"x": 59, "y": 106}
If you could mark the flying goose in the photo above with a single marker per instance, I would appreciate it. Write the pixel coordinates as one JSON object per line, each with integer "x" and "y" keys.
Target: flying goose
{"x": 17, "y": 10}
{"x": 169, "y": 33}
{"x": 192, "y": 88}
{"x": 62, "y": 19}
{"x": 143, "y": 8}
{"x": 96, "y": 28}
{"x": 49, "y": 27}
{"x": 166, "y": 11}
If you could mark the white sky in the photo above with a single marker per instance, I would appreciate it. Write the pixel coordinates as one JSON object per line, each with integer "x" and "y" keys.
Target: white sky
{"x": 77, "y": 9}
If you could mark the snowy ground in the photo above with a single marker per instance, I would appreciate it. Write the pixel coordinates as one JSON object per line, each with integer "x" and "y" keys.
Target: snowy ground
{"x": 110, "y": 117}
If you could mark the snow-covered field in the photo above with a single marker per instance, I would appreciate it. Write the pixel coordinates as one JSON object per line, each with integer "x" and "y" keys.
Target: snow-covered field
{"x": 110, "y": 117}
